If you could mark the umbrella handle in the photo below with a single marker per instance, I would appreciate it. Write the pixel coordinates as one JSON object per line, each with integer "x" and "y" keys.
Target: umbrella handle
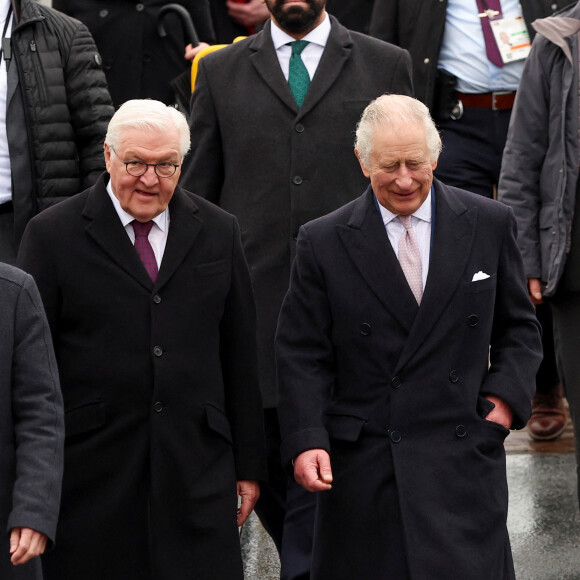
{"x": 186, "y": 21}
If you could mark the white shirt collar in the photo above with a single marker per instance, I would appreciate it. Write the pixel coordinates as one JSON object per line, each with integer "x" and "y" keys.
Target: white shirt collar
{"x": 423, "y": 213}
{"x": 161, "y": 220}
{"x": 318, "y": 35}
{"x": 4, "y": 7}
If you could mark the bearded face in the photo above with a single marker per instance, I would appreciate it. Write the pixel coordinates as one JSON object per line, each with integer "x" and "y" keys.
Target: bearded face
{"x": 296, "y": 16}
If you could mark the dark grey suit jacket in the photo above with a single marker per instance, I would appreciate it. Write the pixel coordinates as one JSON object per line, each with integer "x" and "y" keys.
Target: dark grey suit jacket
{"x": 31, "y": 418}
{"x": 275, "y": 166}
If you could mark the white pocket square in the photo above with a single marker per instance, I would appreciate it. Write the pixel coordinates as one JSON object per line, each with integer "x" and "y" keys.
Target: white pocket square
{"x": 479, "y": 276}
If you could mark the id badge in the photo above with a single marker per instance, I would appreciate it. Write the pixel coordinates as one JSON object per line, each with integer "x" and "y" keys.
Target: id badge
{"x": 512, "y": 38}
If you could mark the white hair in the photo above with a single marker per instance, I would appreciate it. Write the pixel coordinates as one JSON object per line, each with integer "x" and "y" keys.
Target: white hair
{"x": 388, "y": 111}
{"x": 147, "y": 115}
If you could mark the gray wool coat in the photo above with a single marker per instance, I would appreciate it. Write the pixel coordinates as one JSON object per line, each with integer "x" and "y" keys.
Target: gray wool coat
{"x": 31, "y": 419}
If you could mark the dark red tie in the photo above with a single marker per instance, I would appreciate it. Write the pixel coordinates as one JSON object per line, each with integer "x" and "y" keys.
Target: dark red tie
{"x": 144, "y": 248}
{"x": 485, "y": 6}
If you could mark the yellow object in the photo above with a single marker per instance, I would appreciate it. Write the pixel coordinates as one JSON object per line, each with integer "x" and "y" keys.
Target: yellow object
{"x": 201, "y": 54}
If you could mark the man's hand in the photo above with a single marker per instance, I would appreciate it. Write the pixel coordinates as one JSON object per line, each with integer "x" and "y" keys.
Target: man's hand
{"x": 312, "y": 470}
{"x": 249, "y": 491}
{"x": 191, "y": 51}
{"x": 501, "y": 413}
{"x": 26, "y": 544}
{"x": 535, "y": 290}
{"x": 248, "y": 14}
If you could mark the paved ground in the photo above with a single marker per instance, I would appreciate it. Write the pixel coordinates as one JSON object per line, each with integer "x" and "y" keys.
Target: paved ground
{"x": 544, "y": 519}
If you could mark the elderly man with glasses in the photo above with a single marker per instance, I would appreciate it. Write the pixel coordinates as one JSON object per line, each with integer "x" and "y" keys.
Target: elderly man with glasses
{"x": 149, "y": 300}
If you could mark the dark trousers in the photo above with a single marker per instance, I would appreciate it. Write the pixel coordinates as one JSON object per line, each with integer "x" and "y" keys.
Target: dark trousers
{"x": 472, "y": 149}
{"x": 286, "y": 509}
{"x": 547, "y": 378}
{"x": 566, "y": 317}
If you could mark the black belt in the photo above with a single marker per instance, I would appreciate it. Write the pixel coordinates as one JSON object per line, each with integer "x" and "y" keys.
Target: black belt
{"x": 7, "y": 207}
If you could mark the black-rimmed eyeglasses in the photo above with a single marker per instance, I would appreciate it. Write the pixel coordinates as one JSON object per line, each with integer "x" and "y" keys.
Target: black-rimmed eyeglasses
{"x": 163, "y": 169}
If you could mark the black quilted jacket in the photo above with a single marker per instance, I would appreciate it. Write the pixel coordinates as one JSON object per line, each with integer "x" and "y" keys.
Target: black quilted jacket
{"x": 57, "y": 91}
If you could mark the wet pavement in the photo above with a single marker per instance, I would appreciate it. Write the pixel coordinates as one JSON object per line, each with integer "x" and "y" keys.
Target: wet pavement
{"x": 543, "y": 519}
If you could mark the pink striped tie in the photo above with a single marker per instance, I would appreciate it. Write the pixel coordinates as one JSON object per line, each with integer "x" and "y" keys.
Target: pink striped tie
{"x": 410, "y": 258}
{"x": 143, "y": 247}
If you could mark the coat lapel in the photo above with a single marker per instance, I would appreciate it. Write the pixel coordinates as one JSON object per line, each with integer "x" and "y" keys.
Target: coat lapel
{"x": 451, "y": 247}
{"x": 106, "y": 229}
{"x": 336, "y": 54}
{"x": 263, "y": 57}
{"x": 184, "y": 228}
{"x": 366, "y": 242}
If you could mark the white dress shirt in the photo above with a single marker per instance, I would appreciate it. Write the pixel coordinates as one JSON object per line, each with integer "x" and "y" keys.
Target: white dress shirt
{"x": 421, "y": 223}
{"x": 463, "y": 51}
{"x": 311, "y": 54}
{"x": 158, "y": 233}
{"x": 5, "y": 172}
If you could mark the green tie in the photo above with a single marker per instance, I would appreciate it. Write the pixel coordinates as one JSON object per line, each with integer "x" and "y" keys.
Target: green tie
{"x": 298, "y": 77}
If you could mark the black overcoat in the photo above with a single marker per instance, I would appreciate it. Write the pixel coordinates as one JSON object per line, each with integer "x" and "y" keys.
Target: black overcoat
{"x": 162, "y": 406}
{"x": 387, "y": 386}
{"x": 275, "y": 166}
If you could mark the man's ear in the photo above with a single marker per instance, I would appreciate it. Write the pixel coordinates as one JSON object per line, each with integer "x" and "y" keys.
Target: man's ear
{"x": 107, "y": 151}
{"x": 365, "y": 171}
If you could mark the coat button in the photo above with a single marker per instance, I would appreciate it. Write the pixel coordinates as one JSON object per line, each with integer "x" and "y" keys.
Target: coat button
{"x": 157, "y": 351}
{"x": 472, "y": 320}
{"x": 103, "y": 13}
{"x": 460, "y": 431}
{"x": 395, "y": 437}
{"x": 299, "y": 128}
{"x": 396, "y": 382}
{"x": 157, "y": 299}
{"x": 453, "y": 377}
{"x": 158, "y": 406}
{"x": 297, "y": 180}
{"x": 365, "y": 328}
{"x": 139, "y": 7}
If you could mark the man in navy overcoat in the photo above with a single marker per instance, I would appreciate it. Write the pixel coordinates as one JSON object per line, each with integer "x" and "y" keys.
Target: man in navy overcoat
{"x": 395, "y": 405}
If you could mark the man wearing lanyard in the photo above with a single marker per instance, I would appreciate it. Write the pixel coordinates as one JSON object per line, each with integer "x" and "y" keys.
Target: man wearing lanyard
{"x": 467, "y": 74}
{"x": 54, "y": 109}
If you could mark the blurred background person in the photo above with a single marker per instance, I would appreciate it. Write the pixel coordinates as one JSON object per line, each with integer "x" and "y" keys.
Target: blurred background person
{"x": 540, "y": 181}
{"x": 138, "y": 62}
{"x": 233, "y": 18}
{"x": 54, "y": 110}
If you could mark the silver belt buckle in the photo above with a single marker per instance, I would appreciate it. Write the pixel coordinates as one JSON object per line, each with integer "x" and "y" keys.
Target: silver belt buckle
{"x": 495, "y": 94}
{"x": 457, "y": 111}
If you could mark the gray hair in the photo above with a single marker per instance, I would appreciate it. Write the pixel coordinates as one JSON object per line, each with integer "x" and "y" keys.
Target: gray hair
{"x": 388, "y": 111}
{"x": 147, "y": 115}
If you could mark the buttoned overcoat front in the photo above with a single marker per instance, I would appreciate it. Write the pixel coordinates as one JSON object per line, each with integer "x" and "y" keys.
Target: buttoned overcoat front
{"x": 393, "y": 390}
{"x": 162, "y": 405}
